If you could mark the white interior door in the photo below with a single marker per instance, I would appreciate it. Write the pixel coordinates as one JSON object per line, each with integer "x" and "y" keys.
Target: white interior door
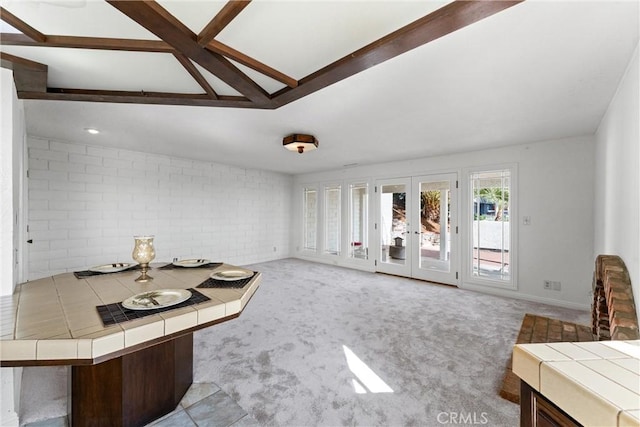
{"x": 417, "y": 227}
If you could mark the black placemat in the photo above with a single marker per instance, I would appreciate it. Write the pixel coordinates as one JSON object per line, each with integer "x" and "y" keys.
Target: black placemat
{"x": 234, "y": 284}
{"x": 171, "y": 266}
{"x": 112, "y": 314}
{"x": 89, "y": 273}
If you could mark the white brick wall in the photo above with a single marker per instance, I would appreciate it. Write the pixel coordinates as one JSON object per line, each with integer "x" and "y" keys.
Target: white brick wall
{"x": 86, "y": 203}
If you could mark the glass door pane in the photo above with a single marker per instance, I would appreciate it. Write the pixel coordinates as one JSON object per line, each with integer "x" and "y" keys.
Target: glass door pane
{"x": 393, "y": 226}
{"x": 358, "y": 221}
{"x": 435, "y": 221}
{"x": 436, "y": 239}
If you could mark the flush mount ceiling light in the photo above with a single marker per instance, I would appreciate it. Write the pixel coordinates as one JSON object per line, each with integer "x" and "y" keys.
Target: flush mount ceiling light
{"x": 300, "y": 143}
{"x": 92, "y": 131}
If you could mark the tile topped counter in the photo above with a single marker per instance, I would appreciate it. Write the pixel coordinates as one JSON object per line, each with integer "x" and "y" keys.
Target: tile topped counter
{"x": 55, "y": 320}
{"x": 596, "y": 383}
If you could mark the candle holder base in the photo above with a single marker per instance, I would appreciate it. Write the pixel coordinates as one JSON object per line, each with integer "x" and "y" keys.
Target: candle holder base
{"x": 144, "y": 277}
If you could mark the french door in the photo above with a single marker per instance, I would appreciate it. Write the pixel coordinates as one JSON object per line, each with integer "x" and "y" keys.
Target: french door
{"x": 417, "y": 227}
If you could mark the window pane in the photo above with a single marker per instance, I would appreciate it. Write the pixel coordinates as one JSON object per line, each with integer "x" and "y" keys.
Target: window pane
{"x": 332, "y": 219}
{"x": 310, "y": 215}
{"x": 358, "y": 220}
{"x": 490, "y": 224}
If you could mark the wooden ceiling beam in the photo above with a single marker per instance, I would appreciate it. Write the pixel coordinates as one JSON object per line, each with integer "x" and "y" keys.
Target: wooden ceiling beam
{"x": 197, "y": 76}
{"x": 74, "y": 42}
{"x": 221, "y": 20}
{"x": 21, "y": 26}
{"x": 132, "y": 45}
{"x": 446, "y": 20}
{"x": 11, "y": 62}
{"x": 177, "y": 39}
{"x": 128, "y": 97}
{"x": 154, "y": 18}
{"x": 243, "y": 59}
{"x": 28, "y": 75}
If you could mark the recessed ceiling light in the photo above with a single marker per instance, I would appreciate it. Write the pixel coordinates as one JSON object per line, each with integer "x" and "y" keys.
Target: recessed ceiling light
{"x": 92, "y": 131}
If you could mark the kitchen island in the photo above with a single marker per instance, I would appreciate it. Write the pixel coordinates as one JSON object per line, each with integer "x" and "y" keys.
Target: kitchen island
{"x": 126, "y": 373}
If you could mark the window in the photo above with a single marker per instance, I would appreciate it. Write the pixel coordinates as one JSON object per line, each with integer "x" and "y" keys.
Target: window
{"x": 310, "y": 215}
{"x": 491, "y": 231}
{"x": 332, "y": 217}
{"x": 358, "y": 221}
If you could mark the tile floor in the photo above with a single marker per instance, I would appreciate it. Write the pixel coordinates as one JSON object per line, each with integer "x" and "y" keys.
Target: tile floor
{"x": 204, "y": 405}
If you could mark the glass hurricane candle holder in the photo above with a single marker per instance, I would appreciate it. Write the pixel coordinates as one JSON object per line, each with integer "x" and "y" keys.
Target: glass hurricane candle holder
{"x": 144, "y": 253}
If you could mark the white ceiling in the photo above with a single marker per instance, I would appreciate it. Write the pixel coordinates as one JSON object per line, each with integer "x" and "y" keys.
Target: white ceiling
{"x": 539, "y": 70}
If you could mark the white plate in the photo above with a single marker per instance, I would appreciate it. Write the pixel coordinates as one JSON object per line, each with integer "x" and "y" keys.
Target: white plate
{"x": 230, "y": 275}
{"x": 112, "y": 268}
{"x": 163, "y": 298}
{"x": 191, "y": 262}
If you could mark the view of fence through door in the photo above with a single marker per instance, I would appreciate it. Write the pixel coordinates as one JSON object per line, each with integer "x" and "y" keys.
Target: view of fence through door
{"x": 417, "y": 226}
{"x": 491, "y": 228}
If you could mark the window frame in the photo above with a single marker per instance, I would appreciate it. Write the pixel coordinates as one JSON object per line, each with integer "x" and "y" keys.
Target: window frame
{"x": 305, "y": 248}
{"x": 365, "y": 205}
{"x": 325, "y": 226}
{"x": 467, "y": 222}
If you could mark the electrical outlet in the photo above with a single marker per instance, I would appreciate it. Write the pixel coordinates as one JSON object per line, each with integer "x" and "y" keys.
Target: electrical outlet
{"x": 551, "y": 285}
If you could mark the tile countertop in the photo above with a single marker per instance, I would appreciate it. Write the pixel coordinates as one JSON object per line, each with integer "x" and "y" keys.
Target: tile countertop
{"x": 597, "y": 383}
{"x": 54, "y": 319}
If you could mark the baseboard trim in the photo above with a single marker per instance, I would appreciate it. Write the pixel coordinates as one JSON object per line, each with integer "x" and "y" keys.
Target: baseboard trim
{"x": 362, "y": 266}
{"x": 507, "y": 293}
{"x": 525, "y": 297}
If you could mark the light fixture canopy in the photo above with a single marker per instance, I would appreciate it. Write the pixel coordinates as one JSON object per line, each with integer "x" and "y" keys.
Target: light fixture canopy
{"x": 300, "y": 142}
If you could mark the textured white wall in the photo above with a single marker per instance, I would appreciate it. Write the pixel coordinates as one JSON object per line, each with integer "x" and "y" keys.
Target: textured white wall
{"x": 617, "y": 212}
{"x": 6, "y": 185}
{"x": 555, "y": 189}
{"x": 11, "y": 140}
{"x": 86, "y": 203}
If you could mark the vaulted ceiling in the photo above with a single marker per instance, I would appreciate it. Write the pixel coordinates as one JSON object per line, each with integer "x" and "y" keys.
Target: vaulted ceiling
{"x": 372, "y": 80}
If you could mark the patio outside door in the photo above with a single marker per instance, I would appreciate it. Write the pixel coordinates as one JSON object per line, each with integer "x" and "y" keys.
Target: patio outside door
{"x": 393, "y": 226}
{"x": 417, "y": 227}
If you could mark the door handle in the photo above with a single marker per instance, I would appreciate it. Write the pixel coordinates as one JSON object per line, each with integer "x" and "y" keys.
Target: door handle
{"x": 416, "y": 232}
{"x": 30, "y": 241}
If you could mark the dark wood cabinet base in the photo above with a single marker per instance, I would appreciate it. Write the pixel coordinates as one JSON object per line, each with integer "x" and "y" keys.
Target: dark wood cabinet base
{"x": 133, "y": 389}
{"x": 537, "y": 411}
